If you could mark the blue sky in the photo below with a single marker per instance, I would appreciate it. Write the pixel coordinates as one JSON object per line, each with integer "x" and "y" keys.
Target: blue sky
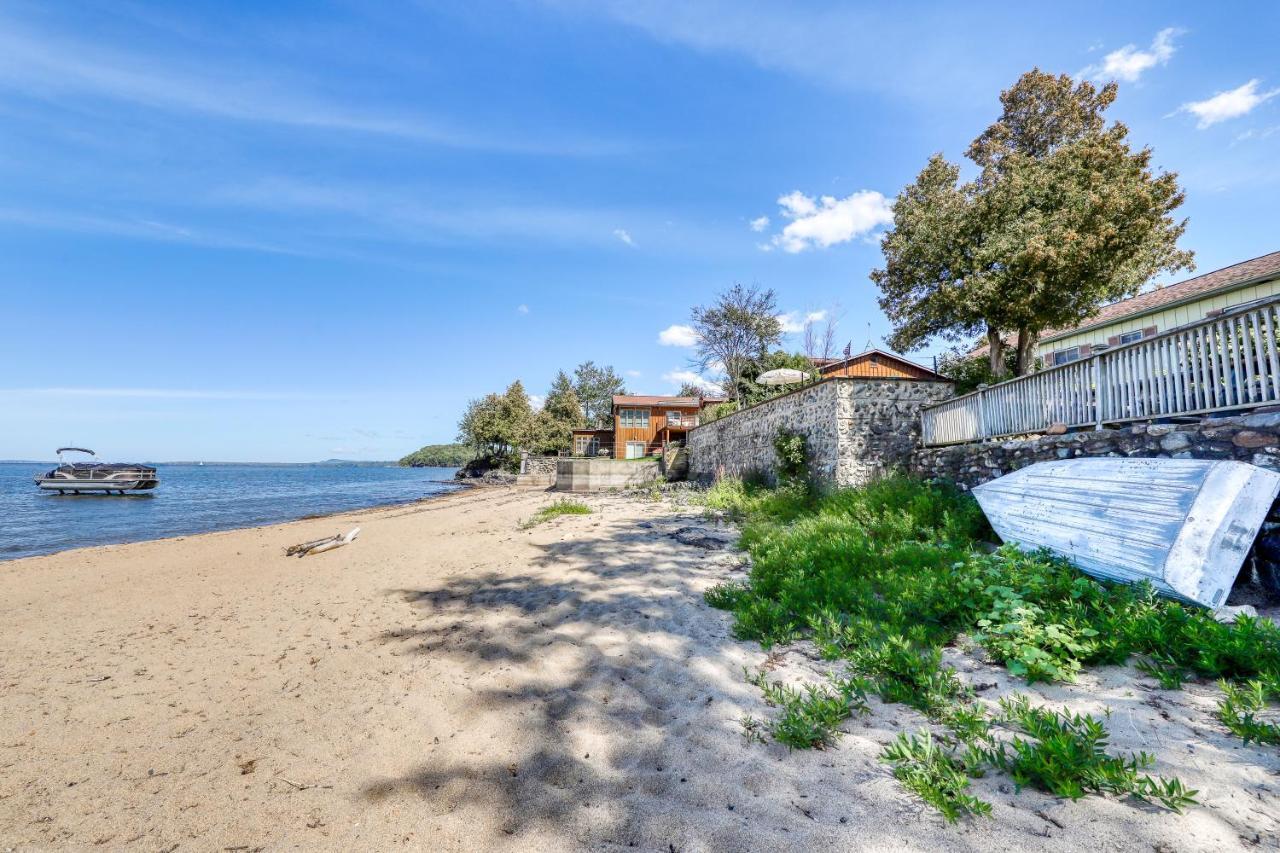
{"x": 293, "y": 231}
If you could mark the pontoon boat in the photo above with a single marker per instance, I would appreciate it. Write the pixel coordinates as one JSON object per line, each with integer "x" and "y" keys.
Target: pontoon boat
{"x": 94, "y": 476}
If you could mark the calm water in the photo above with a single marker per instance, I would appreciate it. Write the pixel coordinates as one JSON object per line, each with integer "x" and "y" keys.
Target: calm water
{"x": 195, "y": 499}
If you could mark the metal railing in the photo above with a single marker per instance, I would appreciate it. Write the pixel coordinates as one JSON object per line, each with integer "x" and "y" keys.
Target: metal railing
{"x": 1231, "y": 361}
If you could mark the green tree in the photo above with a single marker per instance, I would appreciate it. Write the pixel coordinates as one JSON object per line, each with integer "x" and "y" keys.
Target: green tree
{"x": 552, "y": 427}
{"x": 736, "y": 332}
{"x": 439, "y": 456}
{"x": 1063, "y": 218}
{"x": 480, "y": 427}
{"x": 596, "y": 387}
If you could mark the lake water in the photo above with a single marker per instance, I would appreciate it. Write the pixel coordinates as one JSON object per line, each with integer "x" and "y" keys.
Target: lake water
{"x": 196, "y": 499}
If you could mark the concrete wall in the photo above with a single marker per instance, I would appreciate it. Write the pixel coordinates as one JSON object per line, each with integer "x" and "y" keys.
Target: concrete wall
{"x": 593, "y": 475}
{"x": 854, "y": 429}
{"x": 1248, "y": 438}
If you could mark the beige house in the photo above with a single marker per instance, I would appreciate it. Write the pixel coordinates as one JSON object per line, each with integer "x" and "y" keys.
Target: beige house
{"x": 1164, "y": 308}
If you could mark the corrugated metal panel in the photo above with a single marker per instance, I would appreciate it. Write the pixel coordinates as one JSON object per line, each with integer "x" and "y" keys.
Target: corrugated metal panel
{"x": 1183, "y": 525}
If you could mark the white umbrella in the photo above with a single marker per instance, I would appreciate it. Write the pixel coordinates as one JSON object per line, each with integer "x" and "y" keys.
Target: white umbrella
{"x": 782, "y": 376}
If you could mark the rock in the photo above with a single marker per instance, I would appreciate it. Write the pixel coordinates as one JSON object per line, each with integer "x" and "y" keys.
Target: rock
{"x": 1229, "y": 614}
{"x": 1058, "y": 428}
{"x": 1261, "y": 421}
{"x": 1159, "y": 429}
{"x": 1175, "y": 441}
{"x": 1252, "y": 438}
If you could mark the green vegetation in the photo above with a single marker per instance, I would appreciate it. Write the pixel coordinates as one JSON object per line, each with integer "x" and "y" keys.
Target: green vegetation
{"x": 439, "y": 456}
{"x": 883, "y": 577}
{"x": 564, "y": 506}
{"x": 1063, "y": 217}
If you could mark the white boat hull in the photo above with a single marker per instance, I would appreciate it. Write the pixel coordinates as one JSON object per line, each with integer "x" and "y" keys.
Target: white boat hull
{"x": 1184, "y": 525}
{"x": 59, "y": 484}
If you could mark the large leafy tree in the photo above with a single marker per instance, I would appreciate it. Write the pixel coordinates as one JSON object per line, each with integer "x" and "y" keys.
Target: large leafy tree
{"x": 552, "y": 427}
{"x": 497, "y": 425}
{"x": 595, "y": 387}
{"x": 1063, "y": 217}
{"x": 736, "y": 332}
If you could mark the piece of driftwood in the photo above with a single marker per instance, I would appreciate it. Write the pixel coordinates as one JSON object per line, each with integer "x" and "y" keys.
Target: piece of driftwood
{"x": 319, "y": 546}
{"x": 1184, "y": 525}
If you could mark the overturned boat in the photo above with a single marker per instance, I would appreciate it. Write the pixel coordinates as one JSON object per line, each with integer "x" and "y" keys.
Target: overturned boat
{"x": 1185, "y": 525}
{"x": 94, "y": 476}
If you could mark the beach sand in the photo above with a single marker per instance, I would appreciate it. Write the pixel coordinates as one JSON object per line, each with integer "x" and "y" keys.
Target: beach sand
{"x": 450, "y": 681}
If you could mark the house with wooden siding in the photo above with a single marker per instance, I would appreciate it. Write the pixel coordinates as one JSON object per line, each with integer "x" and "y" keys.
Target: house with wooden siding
{"x": 875, "y": 364}
{"x": 1163, "y": 309}
{"x": 642, "y": 426}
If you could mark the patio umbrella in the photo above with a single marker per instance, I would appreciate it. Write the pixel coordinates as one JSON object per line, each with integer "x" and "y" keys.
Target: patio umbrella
{"x": 782, "y": 376}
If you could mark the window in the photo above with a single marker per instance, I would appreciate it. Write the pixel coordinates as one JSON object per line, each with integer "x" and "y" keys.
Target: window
{"x": 1064, "y": 356}
{"x": 635, "y": 449}
{"x": 1130, "y": 337}
{"x": 673, "y": 419}
{"x": 586, "y": 445}
{"x": 633, "y": 418}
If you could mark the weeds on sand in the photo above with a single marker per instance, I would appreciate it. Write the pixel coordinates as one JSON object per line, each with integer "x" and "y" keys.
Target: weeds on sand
{"x": 885, "y": 576}
{"x": 929, "y": 771}
{"x": 810, "y": 717}
{"x": 564, "y": 506}
{"x": 1242, "y": 704}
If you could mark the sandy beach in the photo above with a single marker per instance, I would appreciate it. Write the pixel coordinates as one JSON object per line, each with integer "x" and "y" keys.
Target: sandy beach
{"x": 451, "y": 681}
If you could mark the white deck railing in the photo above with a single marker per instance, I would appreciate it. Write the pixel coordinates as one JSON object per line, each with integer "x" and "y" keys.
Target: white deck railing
{"x": 1228, "y": 362}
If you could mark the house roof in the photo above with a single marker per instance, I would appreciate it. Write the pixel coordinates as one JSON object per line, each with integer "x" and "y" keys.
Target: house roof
{"x": 643, "y": 400}
{"x": 1227, "y": 278}
{"x": 1236, "y": 275}
{"x": 831, "y": 363}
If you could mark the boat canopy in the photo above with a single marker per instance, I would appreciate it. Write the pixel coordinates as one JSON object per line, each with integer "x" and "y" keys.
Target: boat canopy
{"x": 76, "y": 449}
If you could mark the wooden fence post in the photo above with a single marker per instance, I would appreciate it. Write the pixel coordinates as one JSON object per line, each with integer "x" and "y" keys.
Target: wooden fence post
{"x": 982, "y": 411}
{"x": 1099, "y": 398}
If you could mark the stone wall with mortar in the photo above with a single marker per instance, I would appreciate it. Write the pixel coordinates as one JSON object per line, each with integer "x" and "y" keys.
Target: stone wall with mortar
{"x": 854, "y": 429}
{"x": 1248, "y": 438}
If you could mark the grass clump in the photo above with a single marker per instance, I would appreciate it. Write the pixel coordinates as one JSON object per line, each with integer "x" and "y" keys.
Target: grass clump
{"x": 885, "y": 576}
{"x": 927, "y": 769}
{"x": 810, "y": 717}
{"x": 564, "y": 506}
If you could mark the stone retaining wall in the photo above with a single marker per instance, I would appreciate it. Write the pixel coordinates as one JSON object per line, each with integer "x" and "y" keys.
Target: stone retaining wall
{"x": 1248, "y": 438}
{"x": 854, "y": 429}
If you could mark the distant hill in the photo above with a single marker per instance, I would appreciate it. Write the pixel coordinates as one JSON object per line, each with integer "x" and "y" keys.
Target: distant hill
{"x": 439, "y": 456}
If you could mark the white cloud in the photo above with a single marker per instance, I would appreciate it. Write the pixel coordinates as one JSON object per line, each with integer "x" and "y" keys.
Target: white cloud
{"x": 790, "y": 325}
{"x": 815, "y": 316}
{"x": 1129, "y": 62}
{"x": 523, "y": 309}
{"x": 1227, "y": 105}
{"x": 682, "y": 377}
{"x": 537, "y": 401}
{"x": 678, "y": 336}
{"x": 760, "y": 223}
{"x": 634, "y": 374}
{"x": 825, "y": 221}
{"x": 622, "y": 235}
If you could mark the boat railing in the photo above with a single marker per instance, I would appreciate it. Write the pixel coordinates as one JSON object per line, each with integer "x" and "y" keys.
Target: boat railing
{"x": 1222, "y": 363}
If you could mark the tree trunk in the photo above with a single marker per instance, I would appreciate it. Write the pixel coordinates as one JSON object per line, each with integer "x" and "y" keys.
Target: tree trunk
{"x": 1026, "y": 352}
{"x": 995, "y": 351}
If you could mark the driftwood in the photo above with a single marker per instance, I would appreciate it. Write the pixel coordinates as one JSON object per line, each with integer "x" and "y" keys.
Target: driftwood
{"x": 319, "y": 546}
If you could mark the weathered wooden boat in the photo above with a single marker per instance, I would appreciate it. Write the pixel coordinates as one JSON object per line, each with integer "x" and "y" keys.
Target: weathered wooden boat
{"x": 94, "y": 476}
{"x": 1185, "y": 525}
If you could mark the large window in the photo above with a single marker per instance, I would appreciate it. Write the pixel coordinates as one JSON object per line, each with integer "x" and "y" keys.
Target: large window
{"x": 635, "y": 449}
{"x": 1130, "y": 337}
{"x": 673, "y": 419}
{"x": 633, "y": 418}
{"x": 1063, "y": 356}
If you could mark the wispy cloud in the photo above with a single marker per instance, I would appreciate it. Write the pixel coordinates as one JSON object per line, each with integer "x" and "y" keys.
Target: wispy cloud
{"x": 143, "y": 229}
{"x": 1228, "y": 105}
{"x": 759, "y": 223}
{"x": 688, "y": 377}
{"x": 624, "y": 236}
{"x": 634, "y": 374}
{"x": 522, "y": 309}
{"x": 827, "y": 221}
{"x": 38, "y": 64}
{"x": 1130, "y": 62}
{"x": 677, "y": 335}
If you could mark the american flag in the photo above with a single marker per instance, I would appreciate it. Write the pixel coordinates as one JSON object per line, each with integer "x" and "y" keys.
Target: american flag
{"x": 848, "y": 349}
